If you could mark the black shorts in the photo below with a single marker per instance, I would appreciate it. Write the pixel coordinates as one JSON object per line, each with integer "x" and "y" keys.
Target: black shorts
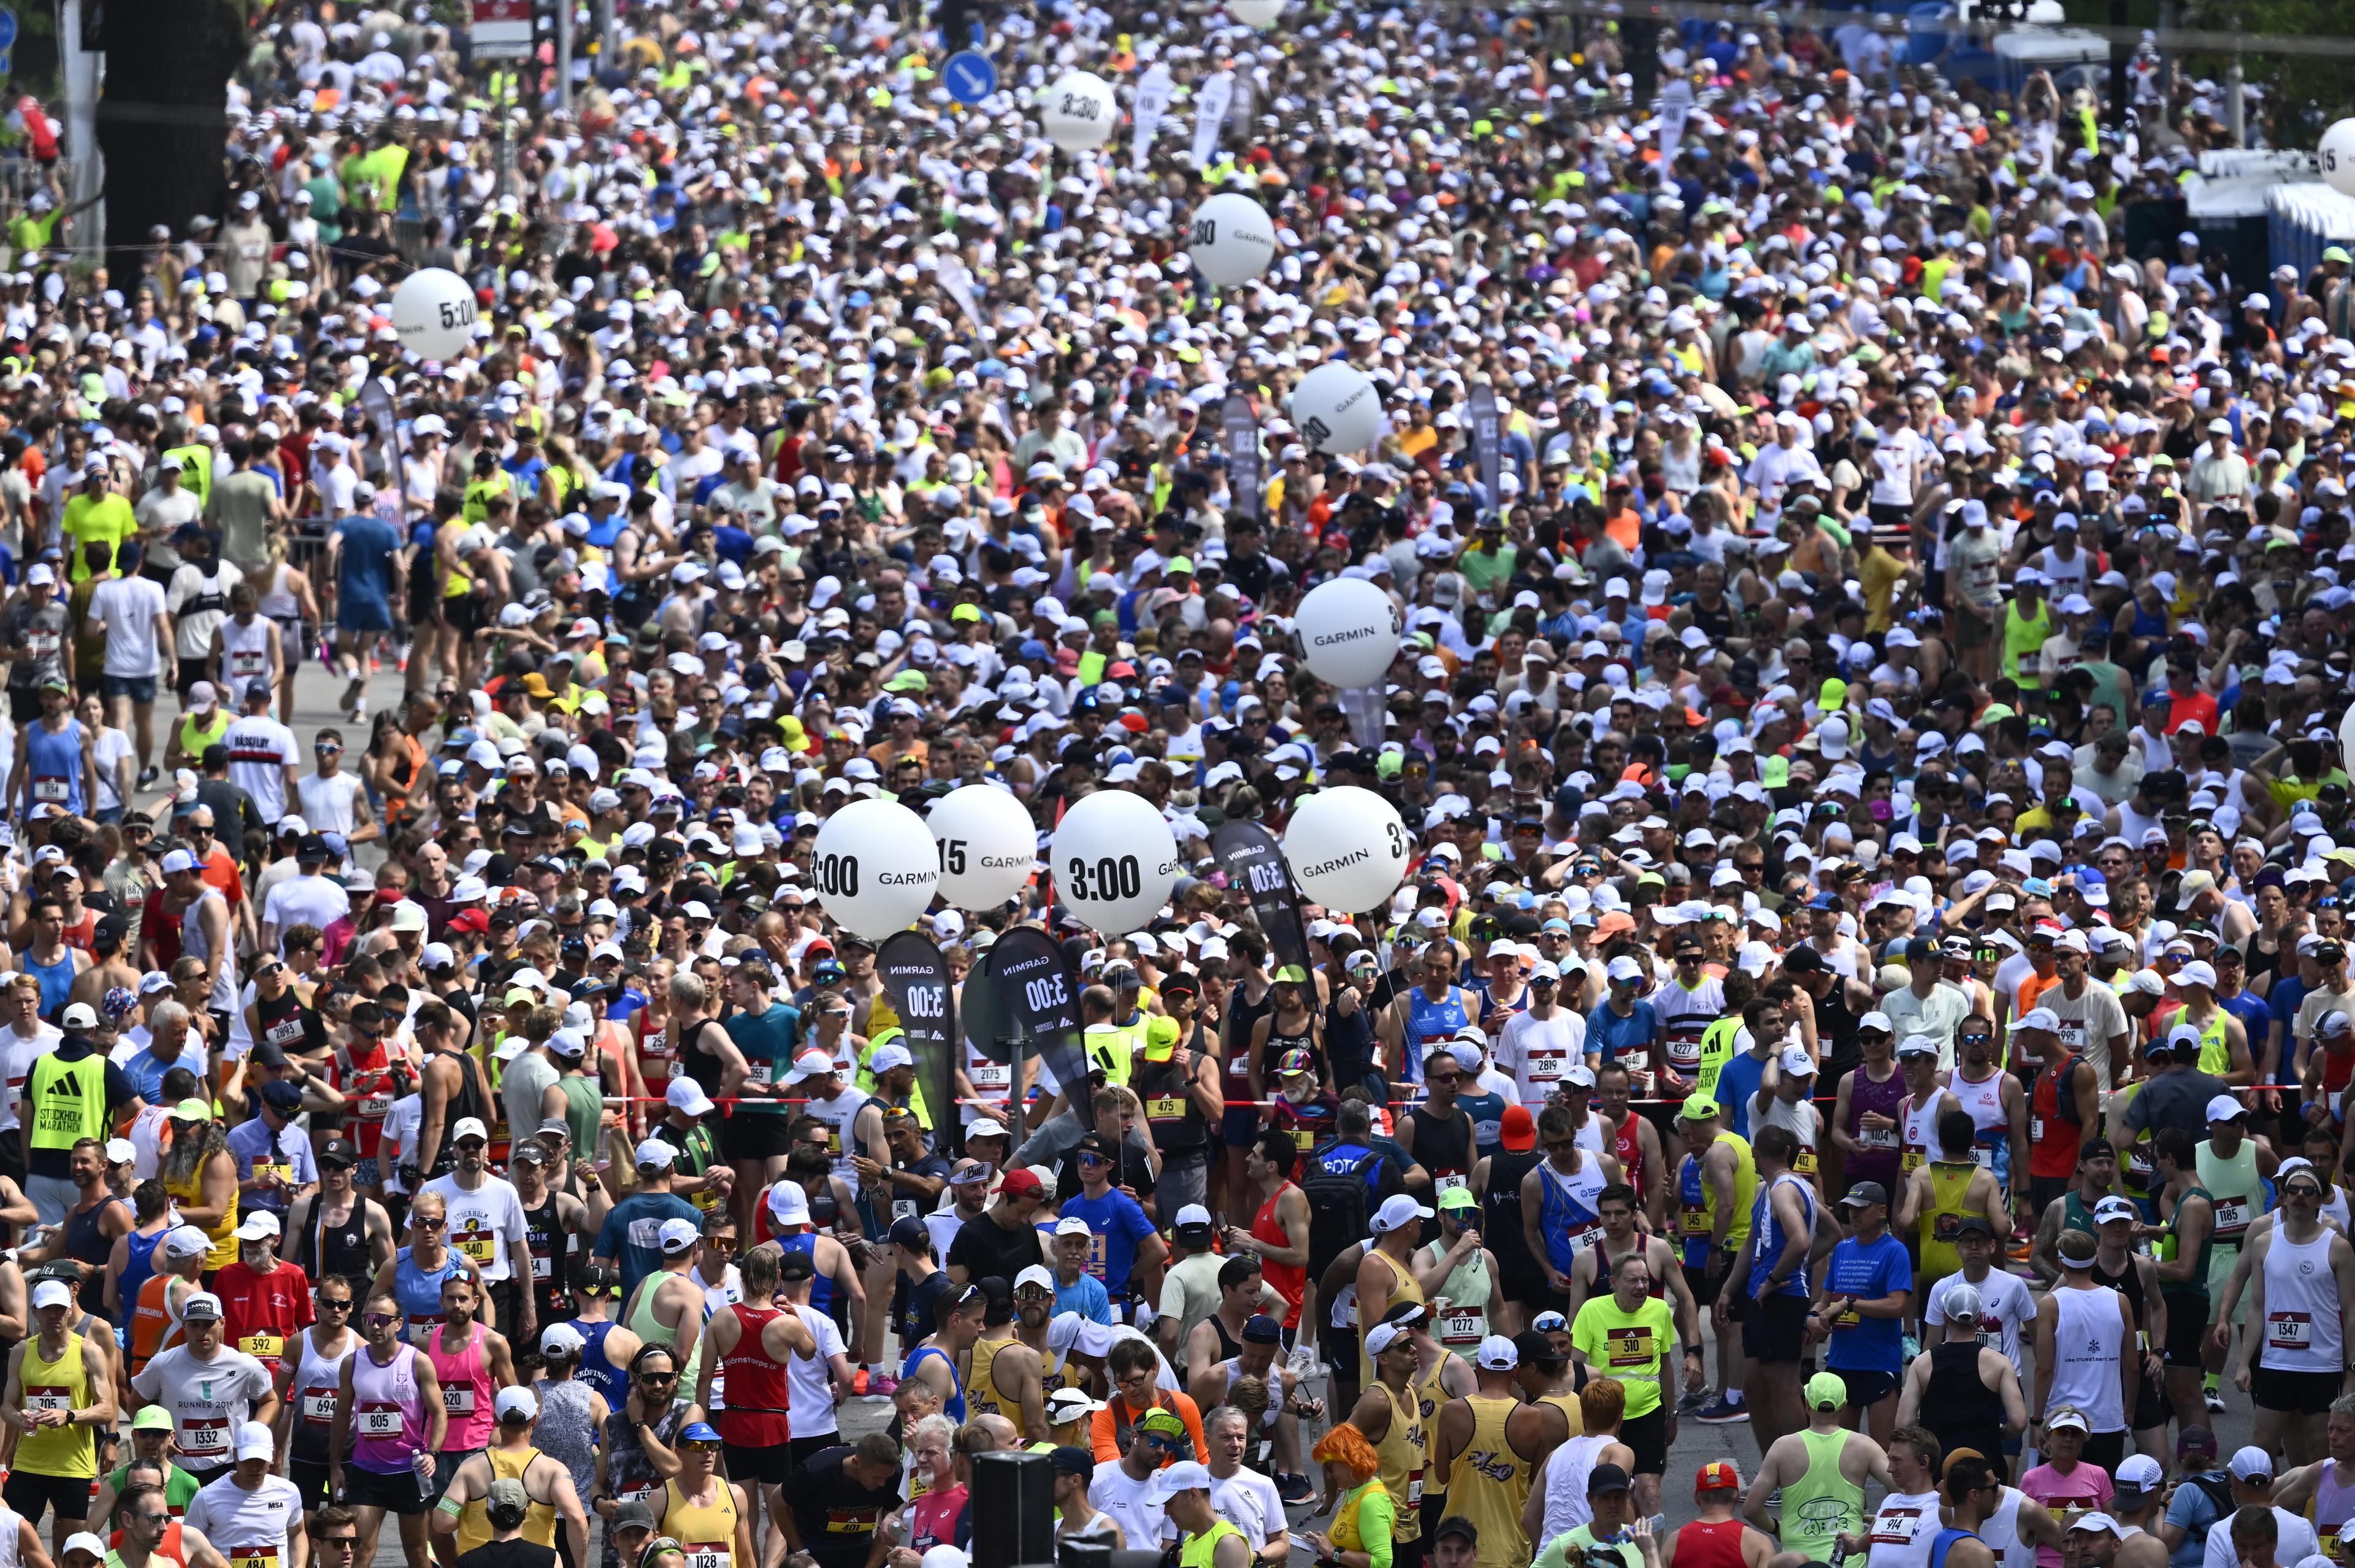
{"x": 2151, "y": 1408}
{"x": 24, "y": 705}
{"x": 1703, "y": 1285}
{"x": 2298, "y": 1394}
{"x": 800, "y": 1451}
{"x": 1772, "y": 1330}
{"x": 2043, "y": 1189}
{"x": 756, "y": 1135}
{"x": 1866, "y": 1389}
{"x": 2106, "y": 1449}
{"x": 398, "y": 1492}
{"x": 463, "y": 613}
{"x": 310, "y": 1478}
{"x": 1530, "y": 1293}
{"x": 1648, "y": 1436}
{"x": 769, "y": 1466}
{"x": 190, "y": 672}
{"x": 32, "y": 1495}
{"x": 2187, "y": 1328}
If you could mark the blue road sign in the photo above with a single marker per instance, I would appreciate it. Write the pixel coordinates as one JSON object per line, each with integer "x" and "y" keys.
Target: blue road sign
{"x": 7, "y": 29}
{"x": 970, "y": 76}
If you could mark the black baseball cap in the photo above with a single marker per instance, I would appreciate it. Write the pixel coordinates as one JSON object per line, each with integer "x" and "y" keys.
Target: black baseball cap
{"x": 795, "y": 1266}
{"x": 1457, "y": 1525}
{"x": 339, "y": 1153}
{"x": 1534, "y": 1346}
{"x": 1973, "y": 1225}
{"x": 1262, "y": 1329}
{"x": 1607, "y": 1478}
{"x": 1073, "y": 1460}
{"x": 911, "y": 1234}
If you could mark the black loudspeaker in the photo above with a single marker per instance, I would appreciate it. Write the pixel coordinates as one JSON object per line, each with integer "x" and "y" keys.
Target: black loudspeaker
{"x": 1012, "y": 1509}
{"x": 1084, "y": 1554}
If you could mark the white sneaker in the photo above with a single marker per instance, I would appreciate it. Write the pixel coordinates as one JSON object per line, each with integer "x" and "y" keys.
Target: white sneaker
{"x": 360, "y": 711}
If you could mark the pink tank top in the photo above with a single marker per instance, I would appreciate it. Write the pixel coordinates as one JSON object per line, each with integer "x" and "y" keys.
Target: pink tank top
{"x": 388, "y": 1422}
{"x": 466, "y": 1390}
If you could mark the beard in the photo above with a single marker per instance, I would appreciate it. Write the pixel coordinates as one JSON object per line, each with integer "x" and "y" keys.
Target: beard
{"x": 187, "y": 1155}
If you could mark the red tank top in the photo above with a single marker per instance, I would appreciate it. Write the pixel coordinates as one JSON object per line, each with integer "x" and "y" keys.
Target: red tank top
{"x": 1290, "y": 1281}
{"x": 1630, "y": 1149}
{"x": 1710, "y": 1544}
{"x": 2051, "y": 1140}
{"x": 757, "y": 1392}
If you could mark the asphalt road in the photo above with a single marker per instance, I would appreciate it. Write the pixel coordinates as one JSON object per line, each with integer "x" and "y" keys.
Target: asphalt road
{"x": 317, "y": 694}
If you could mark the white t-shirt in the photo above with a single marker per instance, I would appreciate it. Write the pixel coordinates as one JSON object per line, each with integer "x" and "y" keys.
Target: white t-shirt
{"x": 232, "y": 1517}
{"x": 810, "y": 1378}
{"x": 328, "y": 801}
{"x": 260, "y": 749}
{"x": 304, "y": 900}
{"x": 17, "y": 1054}
{"x": 486, "y": 1224}
{"x": 1249, "y": 1501}
{"x": 2003, "y": 1297}
{"x": 126, "y": 607}
{"x": 108, "y": 747}
{"x": 209, "y": 1400}
{"x": 1141, "y": 1520}
{"x": 1538, "y": 1052}
{"x": 401, "y": 1126}
{"x": 2297, "y": 1541}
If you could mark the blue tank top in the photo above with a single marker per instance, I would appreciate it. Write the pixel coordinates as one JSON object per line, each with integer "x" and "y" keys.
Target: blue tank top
{"x": 419, "y": 1293}
{"x": 138, "y": 1265}
{"x": 603, "y": 532}
{"x": 53, "y": 758}
{"x": 57, "y": 981}
{"x": 1688, "y": 1191}
{"x": 1563, "y": 1219}
{"x": 1770, "y": 1240}
{"x": 821, "y": 1288}
{"x": 2146, "y": 625}
{"x": 1428, "y": 1020}
{"x": 955, "y": 1406}
{"x": 1946, "y": 1538}
{"x": 601, "y": 1374}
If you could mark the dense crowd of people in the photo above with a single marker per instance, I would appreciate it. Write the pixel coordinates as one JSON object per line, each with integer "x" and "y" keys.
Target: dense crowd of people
{"x": 1871, "y": 965}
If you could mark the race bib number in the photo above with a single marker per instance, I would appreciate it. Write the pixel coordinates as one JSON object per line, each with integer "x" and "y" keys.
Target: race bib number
{"x": 458, "y": 1399}
{"x": 285, "y": 1031}
{"x": 1165, "y": 1110}
{"x": 319, "y": 1405}
{"x": 1684, "y": 1052}
{"x": 1696, "y": 1223}
{"x": 209, "y": 1436}
{"x": 41, "y": 644}
{"x": 1896, "y": 1526}
{"x": 1913, "y": 1161}
{"x": 248, "y": 662}
{"x": 1450, "y": 1181}
{"x": 2071, "y": 1036}
{"x": 543, "y": 1264}
{"x": 705, "y": 1554}
{"x": 2289, "y": 1331}
{"x": 1546, "y": 1066}
{"x": 378, "y": 1419}
{"x": 1463, "y": 1325}
{"x": 1630, "y": 1348}
{"x": 1985, "y": 1156}
{"x": 1805, "y": 1164}
{"x": 1876, "y": 1138}
{"x": 375, "y": 1107}
{"x": 48, "y": 1398}
{"x": 1581, "y": 1240}
{"x": 52, "y": 789}
{"x": 253, "y": 1557}
{"x": 850, "y": 1522}
{"x": 2036, "y": 1129}
{"x": 1852, "y": 1318}
{"x": 263, "y": 1347}
{"x": 2232, "y": 1216}
{"x": 760, "y": 1072}
{"x": 1304, "y": 1138}
{"x": 1415, "y": 1488}
{"x": 477, "y": 1244}
{"x": 988, "y": 1076}
{"x": 903, "y": 1208}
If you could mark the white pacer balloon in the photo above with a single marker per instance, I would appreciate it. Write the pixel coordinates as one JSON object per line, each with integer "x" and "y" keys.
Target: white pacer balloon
{"x": 987, "y": 847}
{"x": 1255, "y": 13}
{"x": 874, "y": 868}
{"x": 1078, "y": 111}
{"x": 1114, "y": 860}
{"x": 1349, "y": 632}
{"x": 2335, "y": 153}
{"x": 1232, "y": 239}
{"x": 434, "y": 312}
{"x": 1347, "y": 848}
{"x": 1337, "y": 409}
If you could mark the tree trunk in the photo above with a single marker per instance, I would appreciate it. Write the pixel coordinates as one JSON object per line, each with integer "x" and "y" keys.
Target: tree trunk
{"x": 162, "y": 122}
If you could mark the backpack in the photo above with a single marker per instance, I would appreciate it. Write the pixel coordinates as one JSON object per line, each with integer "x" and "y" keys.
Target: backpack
{"x": 2061, "y": 1098}
{"x": 2217, "y": 1488}
{"x": 1341, "y": 1203}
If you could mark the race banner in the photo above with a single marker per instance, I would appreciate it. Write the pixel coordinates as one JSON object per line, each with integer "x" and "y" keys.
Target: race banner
{"x": 1153, "y": 96}
{"x": 1255, "y": 867}
{"x": 1041, "y": 1001}
{"x": 1209, "y": 115}
{"x": 916, "y": 979}
{"x": 1240, "y": 427}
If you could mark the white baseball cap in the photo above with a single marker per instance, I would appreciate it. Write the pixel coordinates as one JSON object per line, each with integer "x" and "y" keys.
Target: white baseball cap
{"x": 1398, "y": 1211}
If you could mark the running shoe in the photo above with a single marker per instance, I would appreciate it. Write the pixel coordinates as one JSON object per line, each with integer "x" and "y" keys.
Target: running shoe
{"x": 2215, "y": 1400}
{"x": 1295, "y": 1490}
{"x": 1718, "y": 1412}
{"x": 883, "y": 1385}
{"x": 858, "y": 1383}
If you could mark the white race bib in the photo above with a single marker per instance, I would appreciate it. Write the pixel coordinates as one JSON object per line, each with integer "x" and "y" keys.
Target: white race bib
{"x": 319, "y": 1405}
{"x": 380, "y": 1420}
{"x": 2289, "y": 1331}
{"x": 1896, "y": 1526}
{"x": 458, "y": 1399}
{"x": 205, "y": 1437}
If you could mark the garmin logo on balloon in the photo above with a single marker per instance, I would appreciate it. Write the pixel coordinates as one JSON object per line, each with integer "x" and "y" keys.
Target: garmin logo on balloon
{"x": 908, "y": 878}
{"x": 1351, "y": 635}
{"x": 1007, "y": 862}
{"x": 1340, "y": 863}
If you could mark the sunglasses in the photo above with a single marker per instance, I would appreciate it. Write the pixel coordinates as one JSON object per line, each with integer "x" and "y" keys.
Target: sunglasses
{"x": 334, "y": 1306}
{"x": 659, "y": 1377}
{"x": 424, "y": 1223}
{"x": 381, "y": 1320}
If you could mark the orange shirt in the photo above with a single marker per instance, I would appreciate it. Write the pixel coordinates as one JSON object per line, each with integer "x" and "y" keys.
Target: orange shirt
{"x": 1104, "y": 1431}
